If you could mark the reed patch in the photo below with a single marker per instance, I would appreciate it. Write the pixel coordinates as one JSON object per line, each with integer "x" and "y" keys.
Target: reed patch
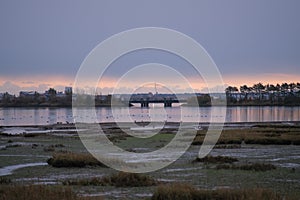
{"x": 69, "y": 159}
{"x": 179, "y": 191}
{"x": 121, "y": 179}
{"x": 38, "y": 192}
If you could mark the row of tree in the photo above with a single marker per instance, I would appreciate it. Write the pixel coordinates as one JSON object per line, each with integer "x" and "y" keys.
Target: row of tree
{"x": 259, "y": 87}
{"x": 260, "y": 94}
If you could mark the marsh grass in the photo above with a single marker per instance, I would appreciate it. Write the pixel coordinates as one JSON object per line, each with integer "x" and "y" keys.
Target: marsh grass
{"x": 5, "y": 180}
{"x": 70, "y": 159}
{"x": 116, "y": 138}
{"x": 228, "y": 146}
{"x": 186, "y": 192}
{"x": 216, "y": 159}
{"x": 49, "y": 149}
{"x": 27, "y": 135}
{"x": 257, "y": 167}
{"x": 52, "y": 147}
{"x": 250, "y": 167}
{"x": 268, "y": 141}
{"x": 38, "y": 192}
{"x": 277, "y": 126}
{"x": 12, "y": 145}
{"x": 276, "y": 135}
{"x": 121, "y": 179}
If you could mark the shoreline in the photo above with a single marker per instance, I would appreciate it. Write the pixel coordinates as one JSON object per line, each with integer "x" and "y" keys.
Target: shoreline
{"x": 72, "y": 125}
{"x": 18, "y": 130}
{"x": 250, "y": 143}
{"x": 183, "y": 105}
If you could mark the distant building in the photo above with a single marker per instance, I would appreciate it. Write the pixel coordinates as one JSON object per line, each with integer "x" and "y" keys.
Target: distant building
{"x": 27, "y": 93}
{"x": 68, "y": 90}
{"x": 6, "y": 97}
{"x": 101, "y": 98}
{"x": 60, "y": 95}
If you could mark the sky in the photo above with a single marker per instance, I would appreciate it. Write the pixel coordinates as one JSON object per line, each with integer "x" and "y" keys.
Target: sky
{"x": 43, "y": 43}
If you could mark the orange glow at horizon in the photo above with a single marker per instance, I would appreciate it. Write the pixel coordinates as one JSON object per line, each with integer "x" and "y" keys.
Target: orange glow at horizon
{"x": 233, "y": 80}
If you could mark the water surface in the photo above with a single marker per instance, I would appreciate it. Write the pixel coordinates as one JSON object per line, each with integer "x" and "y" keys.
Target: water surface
{"x": 42, "y": 116}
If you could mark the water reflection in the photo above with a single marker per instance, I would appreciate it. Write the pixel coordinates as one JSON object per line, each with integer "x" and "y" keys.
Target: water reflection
{"x": 40, "y": 116}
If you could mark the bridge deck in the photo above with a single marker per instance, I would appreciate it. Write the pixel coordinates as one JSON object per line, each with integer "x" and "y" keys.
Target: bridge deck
{"x": 156, "y": 101}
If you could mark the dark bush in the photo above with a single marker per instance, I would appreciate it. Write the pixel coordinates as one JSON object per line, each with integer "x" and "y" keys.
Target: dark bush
{"x": 31, "y": 134}
{"x": 4, "y": 180}
{"x": 197, "y": 142}
{"x": 296, "y": 142}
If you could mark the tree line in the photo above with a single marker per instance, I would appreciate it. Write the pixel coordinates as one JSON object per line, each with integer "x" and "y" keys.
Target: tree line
{"x": 259, "y": 87}
{"x": 257, "y": 94}
{"x": 260, "y": 94}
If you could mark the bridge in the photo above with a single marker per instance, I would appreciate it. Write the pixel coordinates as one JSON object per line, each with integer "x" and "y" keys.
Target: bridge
{"x": 145, "y": 101}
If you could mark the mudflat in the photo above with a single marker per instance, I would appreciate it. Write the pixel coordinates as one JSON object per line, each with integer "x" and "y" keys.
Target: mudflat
{"x": 247, "y": 156}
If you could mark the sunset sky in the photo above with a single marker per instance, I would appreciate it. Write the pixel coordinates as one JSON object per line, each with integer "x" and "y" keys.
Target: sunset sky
{"x": 43, "y": 43}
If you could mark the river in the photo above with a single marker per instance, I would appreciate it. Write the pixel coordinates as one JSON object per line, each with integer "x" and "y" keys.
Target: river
{"x": 43, "y": 116}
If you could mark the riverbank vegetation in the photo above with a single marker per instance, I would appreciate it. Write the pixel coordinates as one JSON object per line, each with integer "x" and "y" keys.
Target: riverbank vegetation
{"x": 186, "y": 192}
{"x": 257, "y": 95}
{"x": 216, "y": 159}
{"x": 38, "y": 192}
{"x": 264, "y": 135}
{"x": 121, "y": 179}
{"x": 70, "y": 159}
{"x": 249, "y": 166}
{"x": 175, "y": 191}
{"x": 260, "y": 94}
{"x": 230, "y": 170}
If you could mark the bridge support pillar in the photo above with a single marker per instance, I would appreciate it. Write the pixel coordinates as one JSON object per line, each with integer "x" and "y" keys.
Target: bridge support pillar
{"x": 168, "y": 103}
{"x": 145, "y": 104}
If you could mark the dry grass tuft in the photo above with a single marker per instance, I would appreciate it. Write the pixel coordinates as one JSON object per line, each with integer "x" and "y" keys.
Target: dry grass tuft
{"x": 264, "y": 135}
{"x": 187, "y": 192}
{"x": 69, "y": 159}
{"x": 251, "y": 167}
{"x": 122, "y": 179}
{"x": 38, "y": 192}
